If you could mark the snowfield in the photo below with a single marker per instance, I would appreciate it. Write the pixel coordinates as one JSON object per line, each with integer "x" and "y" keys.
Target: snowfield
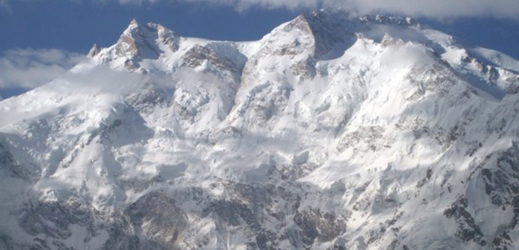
{"x": 328, "y": 133}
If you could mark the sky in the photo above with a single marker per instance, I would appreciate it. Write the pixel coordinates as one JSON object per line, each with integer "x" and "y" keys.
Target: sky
{"x": 40, "y": 40}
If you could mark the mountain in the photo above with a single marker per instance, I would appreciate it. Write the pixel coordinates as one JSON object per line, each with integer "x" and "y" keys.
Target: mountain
{"x": 330, "y": 132}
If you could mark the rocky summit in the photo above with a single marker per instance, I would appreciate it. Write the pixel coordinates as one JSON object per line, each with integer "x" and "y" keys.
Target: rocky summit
{"x": 331, "y": 132}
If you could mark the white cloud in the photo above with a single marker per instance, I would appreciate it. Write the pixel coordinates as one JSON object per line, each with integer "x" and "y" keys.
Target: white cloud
{"x": 4, "y": 5}
{"x": 440, "y": 9}
{"x": 415, "y": 8}
{"x": 30, "y": 68}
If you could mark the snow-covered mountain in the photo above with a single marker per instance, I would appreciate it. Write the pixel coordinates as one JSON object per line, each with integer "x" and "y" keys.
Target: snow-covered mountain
{"x": 328, "y": 133}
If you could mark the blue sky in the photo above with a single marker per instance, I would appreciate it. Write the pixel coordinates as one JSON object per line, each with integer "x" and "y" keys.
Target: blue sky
{"x": 43, "y": 39}
{"x": 76, "y": 26}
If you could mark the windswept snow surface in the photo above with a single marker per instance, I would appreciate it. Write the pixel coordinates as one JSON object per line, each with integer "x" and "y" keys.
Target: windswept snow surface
{"x": 328, "y": 133}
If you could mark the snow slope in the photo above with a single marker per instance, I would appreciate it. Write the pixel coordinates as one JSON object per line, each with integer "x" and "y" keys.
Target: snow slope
{"x": 328, "y": 133}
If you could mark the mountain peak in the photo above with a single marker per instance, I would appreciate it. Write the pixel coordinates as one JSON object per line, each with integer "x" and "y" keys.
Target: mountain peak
{"x": 133, "y": 24}
{"x": 141, "y": 41}
{"x": 327, "y": 27}
{"x": 137, "y": 42}
{"x": 135, "y": 29}
{"x": 94, "y": 51}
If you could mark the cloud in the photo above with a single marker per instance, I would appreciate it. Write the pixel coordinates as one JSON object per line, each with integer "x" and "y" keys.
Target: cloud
{"x": 4, "y": 5}
{"x": 30, "y": 68}
{"x": 440, "y": 9}
{"x": 416, "y": 8}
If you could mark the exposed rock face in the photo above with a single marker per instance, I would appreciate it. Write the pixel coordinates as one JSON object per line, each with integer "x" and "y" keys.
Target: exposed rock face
{"x": 94, "y": 51}
{"x": 328, "y": 133}
{"x": 137, "y": 43}
{"x": 198, "y": 55}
